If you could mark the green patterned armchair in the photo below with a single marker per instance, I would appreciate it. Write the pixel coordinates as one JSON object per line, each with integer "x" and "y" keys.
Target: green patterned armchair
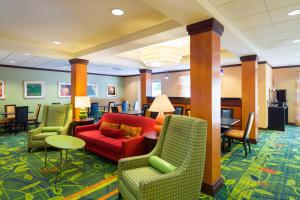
{"x": 182, "y": 143}
{"x": 56, "y": 119}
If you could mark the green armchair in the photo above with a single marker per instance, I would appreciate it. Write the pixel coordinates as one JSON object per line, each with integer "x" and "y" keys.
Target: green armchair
{"x": 182, "y": 143}
{"x": 56, "y": 119}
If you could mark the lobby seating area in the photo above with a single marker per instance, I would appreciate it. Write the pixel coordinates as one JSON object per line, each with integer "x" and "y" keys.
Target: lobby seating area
{"x": 150, "y": 100}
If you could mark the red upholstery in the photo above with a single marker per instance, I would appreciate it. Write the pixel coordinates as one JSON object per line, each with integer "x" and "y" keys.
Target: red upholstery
{"x": 115, "y": 148}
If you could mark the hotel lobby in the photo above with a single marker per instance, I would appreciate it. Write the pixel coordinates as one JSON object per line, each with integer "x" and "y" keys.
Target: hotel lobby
{"x": 150, "y": 100}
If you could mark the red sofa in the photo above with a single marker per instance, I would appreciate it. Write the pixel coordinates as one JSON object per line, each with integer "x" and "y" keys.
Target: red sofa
{"x": 112, "y": 148}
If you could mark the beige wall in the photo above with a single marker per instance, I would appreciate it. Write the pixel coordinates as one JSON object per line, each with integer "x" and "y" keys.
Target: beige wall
{"x": 232, "y": 82}
{"x": 131, "y": 89}
{"x": 285, "y": 78}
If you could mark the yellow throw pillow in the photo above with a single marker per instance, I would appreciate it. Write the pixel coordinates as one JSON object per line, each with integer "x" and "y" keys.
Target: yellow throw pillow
{"x": 109, "y": 125}
{"x": 130, "y": 131}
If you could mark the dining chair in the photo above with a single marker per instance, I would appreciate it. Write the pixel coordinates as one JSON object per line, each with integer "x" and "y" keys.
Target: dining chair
{"x": 110, "y": 104}
{"x": 188, "y": 112}
{"x": 114, "y": 109}
{"x": 178, "y": 110}
{"x": 242, "y": 136}
{"x": 33, "y": 119}
{"x": 145, "y": 107}
{"x": 4, "y": 123}
{"x": 21, "y": 118}
{"x": 94, "y": 111}
{"x": 226, "y": 113}
{"x": 10, "y": 109}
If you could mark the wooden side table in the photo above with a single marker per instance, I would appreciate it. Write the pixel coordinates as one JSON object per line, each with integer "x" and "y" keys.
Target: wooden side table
{"x": 150, "y": 140}
{"x": 81, "y": 122}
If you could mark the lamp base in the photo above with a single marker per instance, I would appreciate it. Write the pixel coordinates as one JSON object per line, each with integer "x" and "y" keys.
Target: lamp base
{"x": 83, "y": 114}
{"x": 159, "y": 122}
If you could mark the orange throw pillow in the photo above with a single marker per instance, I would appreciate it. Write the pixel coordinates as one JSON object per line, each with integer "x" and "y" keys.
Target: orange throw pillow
{"x": 130, "y": 131}
{"x": 109, "y": 125}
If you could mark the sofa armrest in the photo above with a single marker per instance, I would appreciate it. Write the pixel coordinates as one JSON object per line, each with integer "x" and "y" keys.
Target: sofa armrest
{"x": 91, "y": 127}
{"x": 34, "y": 131}
{"x": 63, "y": 131}
{"x": 133, "y": 146}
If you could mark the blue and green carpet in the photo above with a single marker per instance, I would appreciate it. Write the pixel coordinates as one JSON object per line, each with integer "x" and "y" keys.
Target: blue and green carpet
{"x": 271, "y": 171}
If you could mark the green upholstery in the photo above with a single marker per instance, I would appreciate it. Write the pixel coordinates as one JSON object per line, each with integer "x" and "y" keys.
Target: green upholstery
{"x": 56, "y": 119}
{"x": 182, "y": 143}
{"x": 161, "y": 165}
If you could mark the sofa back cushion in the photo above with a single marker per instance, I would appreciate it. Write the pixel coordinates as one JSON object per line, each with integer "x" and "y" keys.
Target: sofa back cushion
{"x": 130, "y": 131}
{"x": 112, "y": 132}
{"x": 56, "y": 115}
{"x": 147, "y": 124}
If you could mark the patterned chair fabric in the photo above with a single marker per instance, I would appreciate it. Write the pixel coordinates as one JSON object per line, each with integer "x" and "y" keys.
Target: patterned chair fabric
{"x": 56, "y": 119}
{"x": 182, "y": 143}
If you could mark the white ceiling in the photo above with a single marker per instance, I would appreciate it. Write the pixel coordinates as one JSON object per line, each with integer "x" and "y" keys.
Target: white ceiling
{"x": 267, "y": 25}
{"x": 113, "y": 44}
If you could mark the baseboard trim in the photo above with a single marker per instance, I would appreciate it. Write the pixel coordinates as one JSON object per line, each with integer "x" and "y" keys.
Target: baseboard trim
{"x": 253, "y": 141}
{"x": 263, "y": 129}
{"x": 212, "y": 189}
{"x": 292, "y": 123}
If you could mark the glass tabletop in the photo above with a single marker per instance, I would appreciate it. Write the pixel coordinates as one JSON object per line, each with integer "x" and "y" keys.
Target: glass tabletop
{"x": 65, "y": 142}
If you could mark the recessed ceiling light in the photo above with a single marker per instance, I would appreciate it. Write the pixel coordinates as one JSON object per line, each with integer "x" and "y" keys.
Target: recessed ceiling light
{"x": 26, "y": 54}
{"x": 297, "y": 54}
{"x": 117, "y": 12}
{"x": 296, "y": 41}
{"x": 294, "y": 12}
{"x": 12, "y": 62}
{"x": 56, "y": 42}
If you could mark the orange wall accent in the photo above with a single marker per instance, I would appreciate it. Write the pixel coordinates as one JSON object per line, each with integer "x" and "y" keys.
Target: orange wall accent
{"x": 78, "y": 82}
{"x": 146, "y": 85}
{"x": 206, "y": 97}
{"x": 250, "y": 96}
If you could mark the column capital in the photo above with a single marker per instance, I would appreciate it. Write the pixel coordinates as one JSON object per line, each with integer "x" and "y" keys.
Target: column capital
{"x": 145, "y": 71}
{"x": 204, "y": 26}
{"x": 78, "y": 61}
{"x": 249, "y": 58}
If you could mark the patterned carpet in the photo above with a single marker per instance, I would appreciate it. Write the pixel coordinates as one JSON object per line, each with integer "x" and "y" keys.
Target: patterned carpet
{"x": 272, "y": 171}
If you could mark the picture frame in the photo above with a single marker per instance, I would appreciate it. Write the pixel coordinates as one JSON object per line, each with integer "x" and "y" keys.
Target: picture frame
{"x": 34, "y": 89}
{"x": 92, "y": 90}
{"x": 2, "y": 89}
{"x": 111, "y": 90}
{"x": 64, "y": 90}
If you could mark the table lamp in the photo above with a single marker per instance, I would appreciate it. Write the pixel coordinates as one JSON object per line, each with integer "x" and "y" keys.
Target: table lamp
{"x": 161, "y": 104}
{"x": 82, "y": 102}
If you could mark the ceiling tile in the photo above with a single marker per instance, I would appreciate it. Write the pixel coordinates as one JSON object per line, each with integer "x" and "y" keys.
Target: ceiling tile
{"x": 265, "y": 39}
{"x": 288, "y": 26}
{"x": 269, "y": 45}
{"x": 37, "y": 62}
{"x": 273, "y": 4}
{"x": 259, "y": 32}
{"x": 290, "y": 35}
{"x": 254, "y": 21}
{"x": 220, "y": 2}
{"x": 16, "y": 59}
{"x": 242, "y": 8}
{"x": 3, "y": 54}
{"x": 281, "y": 14}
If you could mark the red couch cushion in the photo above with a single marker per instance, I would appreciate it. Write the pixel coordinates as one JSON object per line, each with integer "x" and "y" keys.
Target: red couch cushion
{"x": 112, "y": 132}
{"x": 103, "y": 142}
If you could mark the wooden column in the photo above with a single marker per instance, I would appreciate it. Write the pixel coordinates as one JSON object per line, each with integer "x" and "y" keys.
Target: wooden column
{"x": 78, "y": 81}
{"x": 250, "y": 94}
{"x": 146, "y": 84}
{"x": 206, "y": 94}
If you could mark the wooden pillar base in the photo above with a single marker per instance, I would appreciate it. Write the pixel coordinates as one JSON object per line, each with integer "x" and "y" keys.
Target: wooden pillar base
{"x": 212, "y": 189}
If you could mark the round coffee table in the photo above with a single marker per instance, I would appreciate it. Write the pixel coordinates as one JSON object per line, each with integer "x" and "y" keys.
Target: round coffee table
{"x": 64, "y": 142}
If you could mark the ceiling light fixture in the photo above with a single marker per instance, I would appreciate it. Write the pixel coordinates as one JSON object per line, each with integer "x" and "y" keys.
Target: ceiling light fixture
{"x": 56, "y": 42}
{"x": 166, "y": 76}
{"x": 294, "y": 12}
{"x": 26, "y": 54}
{"x": 222, "y": 72}
{"x": 161, "y": 56}
{"x": 12, "y": 62}
{"x": 296, "y": 41}
{"x": 117, "y": 12}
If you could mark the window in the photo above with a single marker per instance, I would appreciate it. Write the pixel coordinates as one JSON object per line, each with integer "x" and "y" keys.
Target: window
{"x": 184, "y": 86}
{"x": 156, "y": 88}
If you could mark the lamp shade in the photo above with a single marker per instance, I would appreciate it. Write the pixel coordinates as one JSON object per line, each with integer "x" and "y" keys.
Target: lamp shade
{"x": 161, "y": 103}
{"x": 82, "y": 102}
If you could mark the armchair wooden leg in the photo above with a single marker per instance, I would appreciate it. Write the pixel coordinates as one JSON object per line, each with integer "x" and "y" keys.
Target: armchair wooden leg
{"x": 119, "y": 196}
{"x": 248, "y": 142}
{"x": 245, "y": 148}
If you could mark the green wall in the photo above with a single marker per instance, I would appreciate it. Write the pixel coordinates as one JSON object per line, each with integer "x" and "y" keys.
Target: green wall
{"x": 14, "y": 78}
